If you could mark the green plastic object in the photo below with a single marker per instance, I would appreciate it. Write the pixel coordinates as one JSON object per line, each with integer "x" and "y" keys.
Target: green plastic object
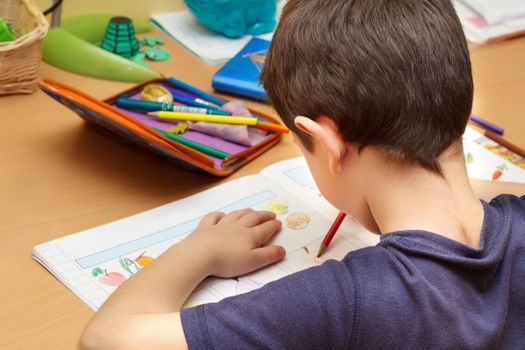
{"x": 139, "y": 59}
{"x": 152, "y": 41}
{"x": 6, "y": 32}
{"x": 157, "y": 54}
{"x": 120, "y": 37}
{"x": 92, "y": 27}
{"x": 65, "y": 50}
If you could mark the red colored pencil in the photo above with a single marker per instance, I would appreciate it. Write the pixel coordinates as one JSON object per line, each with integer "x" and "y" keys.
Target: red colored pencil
{"x": 331, "y": 233}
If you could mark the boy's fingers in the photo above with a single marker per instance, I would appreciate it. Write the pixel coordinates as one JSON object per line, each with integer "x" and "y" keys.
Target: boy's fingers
{"x": 267, "y": 255}
{"x": 211, "y": 219}
{"x": 265, "y": 231}
{"x": 256, "y": 218}
{"x": 235, "y": 215}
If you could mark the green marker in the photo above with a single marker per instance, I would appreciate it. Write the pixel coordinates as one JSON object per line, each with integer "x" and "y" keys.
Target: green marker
{"x": 195, "y": 145}
{"x": 153, "y": 106}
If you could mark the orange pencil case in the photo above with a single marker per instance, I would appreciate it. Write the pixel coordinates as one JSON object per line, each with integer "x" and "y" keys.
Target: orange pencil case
{"x": 139, "y": 129}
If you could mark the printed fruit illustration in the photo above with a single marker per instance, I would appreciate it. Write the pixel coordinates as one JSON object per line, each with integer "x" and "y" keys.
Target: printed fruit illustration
{"x": 144, "y": 260}
{"x": 97, "y": 271}
{"x": 498, "y": 172}
{"x": 133, "y": 266}
{"x": 128, "y": 265}
{"x": 112, "y": 279}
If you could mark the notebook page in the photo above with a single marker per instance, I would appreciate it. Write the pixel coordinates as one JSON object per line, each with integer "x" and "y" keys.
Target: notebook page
{"x": 94, "y": 262}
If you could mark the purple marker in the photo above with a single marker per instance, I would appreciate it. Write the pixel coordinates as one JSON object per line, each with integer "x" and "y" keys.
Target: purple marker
{"x": 487, "y": 125}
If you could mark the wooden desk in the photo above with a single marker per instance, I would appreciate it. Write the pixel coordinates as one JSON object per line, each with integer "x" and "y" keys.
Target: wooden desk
{"x": 59, "y": 176}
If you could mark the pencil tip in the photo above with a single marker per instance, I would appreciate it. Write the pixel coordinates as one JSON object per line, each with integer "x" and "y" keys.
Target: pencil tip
{"x": 322, "y": 248}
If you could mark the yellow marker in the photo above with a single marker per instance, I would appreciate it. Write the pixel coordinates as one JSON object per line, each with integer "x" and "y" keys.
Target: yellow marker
{"x": 205, "y": 117}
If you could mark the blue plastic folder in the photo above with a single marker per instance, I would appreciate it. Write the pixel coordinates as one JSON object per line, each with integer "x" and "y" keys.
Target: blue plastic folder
{"x": 240, "y": 75}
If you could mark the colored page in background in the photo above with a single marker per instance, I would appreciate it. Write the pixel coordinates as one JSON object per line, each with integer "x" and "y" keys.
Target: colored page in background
{"x": 487, "y": 160}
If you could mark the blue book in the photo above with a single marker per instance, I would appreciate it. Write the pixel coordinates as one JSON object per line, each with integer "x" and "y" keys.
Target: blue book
{"x": 240, "y": 75}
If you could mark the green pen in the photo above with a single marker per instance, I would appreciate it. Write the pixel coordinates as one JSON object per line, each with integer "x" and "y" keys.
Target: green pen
{"x": 152, "y": 106}
{"x": 195, "y": 145}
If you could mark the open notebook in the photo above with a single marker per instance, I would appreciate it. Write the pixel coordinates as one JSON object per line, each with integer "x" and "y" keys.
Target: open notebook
{"x": 94, "y": 262}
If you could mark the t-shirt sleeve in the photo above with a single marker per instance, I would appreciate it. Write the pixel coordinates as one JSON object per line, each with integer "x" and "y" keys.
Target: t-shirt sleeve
{"x": 311, "y": 309}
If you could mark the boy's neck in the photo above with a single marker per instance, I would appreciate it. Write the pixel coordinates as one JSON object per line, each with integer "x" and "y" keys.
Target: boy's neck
{"x": 403, "y": 197}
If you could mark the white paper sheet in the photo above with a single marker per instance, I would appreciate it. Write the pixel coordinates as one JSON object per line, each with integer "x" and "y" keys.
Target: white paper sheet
{"x": 211, "y": 47}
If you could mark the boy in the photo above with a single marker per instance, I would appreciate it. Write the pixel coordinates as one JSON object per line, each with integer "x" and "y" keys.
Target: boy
{"x": 377, "y": 94}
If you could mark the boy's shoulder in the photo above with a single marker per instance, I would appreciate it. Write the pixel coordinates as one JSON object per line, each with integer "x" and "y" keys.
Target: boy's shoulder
{"x": 438, "y": 290}
{"x": 509, "y": 203}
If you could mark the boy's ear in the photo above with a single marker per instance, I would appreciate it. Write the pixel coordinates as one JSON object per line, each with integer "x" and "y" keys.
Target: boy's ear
{"x": 326, "y": 133}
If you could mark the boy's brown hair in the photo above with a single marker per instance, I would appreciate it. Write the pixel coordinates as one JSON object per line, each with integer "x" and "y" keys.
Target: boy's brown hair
{"x": 391, "y": 73}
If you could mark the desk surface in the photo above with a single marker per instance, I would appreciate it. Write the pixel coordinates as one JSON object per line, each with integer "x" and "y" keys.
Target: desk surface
{"x": 59, "y": 176}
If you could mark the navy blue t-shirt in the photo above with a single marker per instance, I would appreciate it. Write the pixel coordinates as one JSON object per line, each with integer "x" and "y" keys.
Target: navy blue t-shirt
{"x": 414, "y": 290}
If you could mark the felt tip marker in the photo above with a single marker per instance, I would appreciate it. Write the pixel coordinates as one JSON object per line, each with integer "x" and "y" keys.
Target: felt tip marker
{"x": 152, "y": 106}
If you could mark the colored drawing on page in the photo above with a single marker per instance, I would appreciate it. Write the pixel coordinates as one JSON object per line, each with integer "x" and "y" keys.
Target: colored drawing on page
{"x": 97, "y": 271}
{"x": 113, "y": 279}
{"x": 133, "y": 266}
{"x": 144, "y": 260}
{"x": 277, "y": 206}
{"x": 498, "y": 172}
{"x": 297, "y": 221}
{"x": 128, "y": 265}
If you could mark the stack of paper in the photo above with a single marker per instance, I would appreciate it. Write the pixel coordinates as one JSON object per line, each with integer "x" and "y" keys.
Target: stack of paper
{"x": 486, "y": 21}
{"x": 211, "y": 47}
{"x": 498, "y": 11}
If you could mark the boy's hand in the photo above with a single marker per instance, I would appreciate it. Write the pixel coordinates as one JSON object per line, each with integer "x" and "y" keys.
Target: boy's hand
{"x": 233, "y": 244}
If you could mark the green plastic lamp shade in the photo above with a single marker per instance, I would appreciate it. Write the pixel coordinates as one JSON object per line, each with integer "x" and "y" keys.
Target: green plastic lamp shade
{"x": 120, "y": 37}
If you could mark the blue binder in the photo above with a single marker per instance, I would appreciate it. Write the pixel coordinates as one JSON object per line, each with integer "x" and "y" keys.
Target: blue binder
{"x": 240, "y": 75}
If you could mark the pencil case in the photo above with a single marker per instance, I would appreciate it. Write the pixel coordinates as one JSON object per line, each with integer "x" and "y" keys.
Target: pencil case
{"x": 139, "y": 129}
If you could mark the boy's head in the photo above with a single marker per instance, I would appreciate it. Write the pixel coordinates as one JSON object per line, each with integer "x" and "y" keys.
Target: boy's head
{"x": 391, "y": 74}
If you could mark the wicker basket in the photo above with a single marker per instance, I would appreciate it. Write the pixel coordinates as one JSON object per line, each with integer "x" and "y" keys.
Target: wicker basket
{"x": 20, "y": 59}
